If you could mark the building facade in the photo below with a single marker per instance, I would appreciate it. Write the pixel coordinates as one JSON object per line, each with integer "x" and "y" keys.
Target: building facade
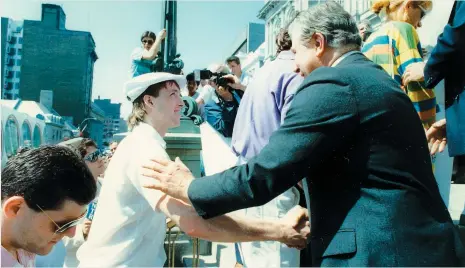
{"x": 11, "y": 56}
{"x": 59, "y": 60}
{"x": 113, "y": 118}
{"x": 279, "y": 14}
{"x": 95, "y": 127}
{"x": 248, "y": 47}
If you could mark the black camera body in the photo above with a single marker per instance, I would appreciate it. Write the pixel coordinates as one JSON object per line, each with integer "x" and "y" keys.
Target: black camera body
{"x": 218, "y": 78}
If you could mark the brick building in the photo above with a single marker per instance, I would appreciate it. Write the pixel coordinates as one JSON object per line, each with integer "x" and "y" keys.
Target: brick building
{"x": 59, "y": 60}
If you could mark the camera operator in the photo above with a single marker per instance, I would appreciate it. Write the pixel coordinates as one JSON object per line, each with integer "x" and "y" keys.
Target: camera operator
{"x": 240, "y": 79}
{"x": 221, "y": 110}
{"x": 143, "y": 58}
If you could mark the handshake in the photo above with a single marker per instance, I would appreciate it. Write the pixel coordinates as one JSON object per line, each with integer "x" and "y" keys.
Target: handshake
{"x": 296, "y": 228}
{"x": 174, "y": 178}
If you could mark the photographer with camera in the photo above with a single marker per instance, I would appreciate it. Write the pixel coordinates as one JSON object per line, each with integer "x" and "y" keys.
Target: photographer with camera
{"x": 144, "y": 58}
{"x": 221, "y": 110}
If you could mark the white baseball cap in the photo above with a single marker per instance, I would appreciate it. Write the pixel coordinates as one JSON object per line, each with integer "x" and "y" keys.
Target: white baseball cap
{"x": 137, "y": 85}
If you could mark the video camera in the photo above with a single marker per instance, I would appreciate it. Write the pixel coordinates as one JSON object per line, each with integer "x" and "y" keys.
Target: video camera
{"x": 217, "y": 78}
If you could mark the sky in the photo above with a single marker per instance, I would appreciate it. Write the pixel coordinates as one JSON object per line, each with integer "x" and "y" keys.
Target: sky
{"x": 207, "y": 31}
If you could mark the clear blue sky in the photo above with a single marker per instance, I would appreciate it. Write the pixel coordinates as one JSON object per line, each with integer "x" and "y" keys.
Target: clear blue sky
{"x": 206, "y": 32}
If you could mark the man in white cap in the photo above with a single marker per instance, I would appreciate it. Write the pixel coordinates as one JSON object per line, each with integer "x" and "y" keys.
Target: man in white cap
{"x": 129, "y": 224}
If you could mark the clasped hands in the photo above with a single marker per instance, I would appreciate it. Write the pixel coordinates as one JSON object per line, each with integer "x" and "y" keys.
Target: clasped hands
{"x": 174, "y": 178}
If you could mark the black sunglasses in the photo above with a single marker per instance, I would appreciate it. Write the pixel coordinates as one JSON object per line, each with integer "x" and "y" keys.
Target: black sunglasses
{"x": 92, "y": 157}
{"x": 147, "y": 41}
{"x": 423, "y": 12}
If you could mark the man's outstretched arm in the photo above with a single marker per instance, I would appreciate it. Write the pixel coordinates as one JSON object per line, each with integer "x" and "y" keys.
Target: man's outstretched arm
{"x": 292, "y": 230}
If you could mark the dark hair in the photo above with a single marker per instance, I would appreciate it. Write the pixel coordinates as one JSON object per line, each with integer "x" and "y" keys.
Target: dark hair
{"x": 85, "y": 143}
{"x": 48, "y": 176}
{"x": 233, "y": 59}
{"x": 283, "y": 41}
{"x": 138, "y": 109}
{"x": 148, "y": 34}
{"x": 190, "y": 77}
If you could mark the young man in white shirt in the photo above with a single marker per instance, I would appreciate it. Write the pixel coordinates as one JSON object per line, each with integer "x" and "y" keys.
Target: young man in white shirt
{"x": 129, "y": 224}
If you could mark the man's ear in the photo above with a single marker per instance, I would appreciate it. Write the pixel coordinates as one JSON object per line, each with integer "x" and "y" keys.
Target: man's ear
{"x": 148, "y": 100}
{"x": 320, "y": 44}
{"x": 12, "y": 205}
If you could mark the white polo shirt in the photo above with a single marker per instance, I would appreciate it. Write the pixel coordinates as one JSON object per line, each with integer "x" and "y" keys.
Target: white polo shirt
{"x": 126, "y": 229}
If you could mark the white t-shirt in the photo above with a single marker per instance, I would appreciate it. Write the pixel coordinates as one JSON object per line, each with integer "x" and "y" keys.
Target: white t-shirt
{"x": 206, "y": 93}
{"x": 126, "y": 229}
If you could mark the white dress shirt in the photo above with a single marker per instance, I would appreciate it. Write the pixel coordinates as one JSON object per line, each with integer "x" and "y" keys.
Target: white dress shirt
{"x": 127, "y": 230}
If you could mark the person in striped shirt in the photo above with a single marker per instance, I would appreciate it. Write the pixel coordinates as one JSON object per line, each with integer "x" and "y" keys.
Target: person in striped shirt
{"x": 396, "y": 45}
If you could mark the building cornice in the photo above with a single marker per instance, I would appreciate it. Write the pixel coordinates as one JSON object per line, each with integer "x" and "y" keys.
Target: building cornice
{"x": 270, "y": 5}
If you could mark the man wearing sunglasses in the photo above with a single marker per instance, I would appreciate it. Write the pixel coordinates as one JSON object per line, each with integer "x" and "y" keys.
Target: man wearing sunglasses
{"x": 45, "y": 193}
{"x": 143, "y": 58}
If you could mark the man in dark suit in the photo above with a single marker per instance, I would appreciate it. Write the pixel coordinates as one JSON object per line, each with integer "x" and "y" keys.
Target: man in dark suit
{"x": 447, "y": 61}
{"x": 357, "y": 138}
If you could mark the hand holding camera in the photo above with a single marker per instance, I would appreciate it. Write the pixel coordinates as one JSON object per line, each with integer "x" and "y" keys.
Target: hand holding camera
{"x": 234, "y": 81}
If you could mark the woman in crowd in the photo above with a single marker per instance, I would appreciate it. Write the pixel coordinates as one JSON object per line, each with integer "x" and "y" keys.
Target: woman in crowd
{"x": 143, "y": 58}
{"x": 396, "y": 45}
{"x": 90, "y": 153}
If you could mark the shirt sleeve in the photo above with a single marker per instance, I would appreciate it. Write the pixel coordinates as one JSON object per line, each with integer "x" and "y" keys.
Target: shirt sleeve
{"x": 246, "y": 80}
{"x": 136, "y": 54}
{"x": 423, "y": 99}
{"x": 206, "y": 94}
{"x": 139, "y": 180}
{"x": 448, "y": 46}
{"x": 309, "y": 135}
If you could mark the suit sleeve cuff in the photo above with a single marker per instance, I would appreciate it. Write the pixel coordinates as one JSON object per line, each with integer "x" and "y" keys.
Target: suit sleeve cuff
{"x": 195, "y": 192}
{"x": 431, "y": 77}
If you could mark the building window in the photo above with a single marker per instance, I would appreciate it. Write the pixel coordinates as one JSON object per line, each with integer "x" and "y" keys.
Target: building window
{"x": 16, "y": 86}
{"x": 9, "y": 74}
{"x": 11, "y": 138}
{"x": 18, "y": 62}
{"x": 8, "y": 96}
{"x": 36, "y": 137}
{"x": 18, "y": 74}
{"x": 26, "y": 134}
{"x": 11, "y": 51}
{"x": 20, "y": 40}
{"x": 20, "y": 51}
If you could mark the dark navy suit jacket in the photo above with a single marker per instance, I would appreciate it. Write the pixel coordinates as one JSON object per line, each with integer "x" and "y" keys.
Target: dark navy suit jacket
{"x": 447, "y": 61}
{"x": 357, "y": 138}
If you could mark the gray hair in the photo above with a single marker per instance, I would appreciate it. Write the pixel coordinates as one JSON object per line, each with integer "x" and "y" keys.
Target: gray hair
{"x": 367, "y": 25}
{"x": 331, "y": 20}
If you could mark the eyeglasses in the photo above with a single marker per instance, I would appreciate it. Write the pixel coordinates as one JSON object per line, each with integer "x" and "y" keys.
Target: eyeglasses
{"x": 423, "y": 12}
{"x": 147, "y": 41}
{"x": 92, "y": 157}
{"x": 66, "y": 226}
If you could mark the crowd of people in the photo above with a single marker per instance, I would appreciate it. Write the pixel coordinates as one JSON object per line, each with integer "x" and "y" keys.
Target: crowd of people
{"x": 334, "y": 139}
